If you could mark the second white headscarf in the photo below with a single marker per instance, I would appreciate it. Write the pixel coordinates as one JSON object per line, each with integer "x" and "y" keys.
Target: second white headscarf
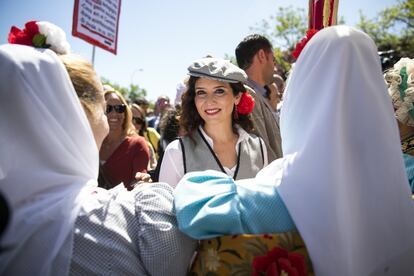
{"x": 343, "y": 179}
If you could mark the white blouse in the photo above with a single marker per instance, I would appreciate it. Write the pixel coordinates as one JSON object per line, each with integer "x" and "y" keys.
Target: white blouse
{"x": 172, "y": 166}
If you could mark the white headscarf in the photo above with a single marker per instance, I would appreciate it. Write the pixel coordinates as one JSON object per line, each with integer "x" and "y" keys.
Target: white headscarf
{"x": 343, "y": 177}
{"x": 47, "y": 158}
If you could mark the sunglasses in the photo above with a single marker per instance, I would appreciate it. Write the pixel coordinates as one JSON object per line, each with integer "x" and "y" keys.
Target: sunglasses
{"x": 120, "y": 108}
{"x": 137, "y": 120}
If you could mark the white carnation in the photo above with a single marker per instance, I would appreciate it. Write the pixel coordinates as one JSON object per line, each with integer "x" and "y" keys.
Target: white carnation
{"x": 405, "y": 62}
{"x": 55, "y": 37}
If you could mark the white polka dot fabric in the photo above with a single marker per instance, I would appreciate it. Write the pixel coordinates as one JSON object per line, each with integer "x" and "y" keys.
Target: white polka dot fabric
{"x": 130, "y": 233}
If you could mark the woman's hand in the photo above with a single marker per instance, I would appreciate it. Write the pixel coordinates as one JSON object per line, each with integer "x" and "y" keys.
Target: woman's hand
{"x": 142, "y": 177}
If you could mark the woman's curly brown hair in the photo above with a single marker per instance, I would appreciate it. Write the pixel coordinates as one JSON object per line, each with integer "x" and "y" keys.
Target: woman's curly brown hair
{"x": 190, "y": 120}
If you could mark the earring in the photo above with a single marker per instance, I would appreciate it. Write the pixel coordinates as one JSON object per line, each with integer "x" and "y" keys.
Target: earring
{"x": 235, "y": 113}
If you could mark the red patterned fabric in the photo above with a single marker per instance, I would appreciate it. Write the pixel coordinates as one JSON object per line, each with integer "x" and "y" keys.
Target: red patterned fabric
{"x": 322, "y": 13}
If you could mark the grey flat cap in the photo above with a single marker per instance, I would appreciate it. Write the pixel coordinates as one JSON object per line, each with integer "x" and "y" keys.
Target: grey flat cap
{"x": 217, "y": 69}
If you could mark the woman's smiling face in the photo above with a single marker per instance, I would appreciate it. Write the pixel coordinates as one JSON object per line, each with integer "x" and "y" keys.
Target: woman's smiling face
{"x": 214, "y": 100}
{"x": 115, "y": 119}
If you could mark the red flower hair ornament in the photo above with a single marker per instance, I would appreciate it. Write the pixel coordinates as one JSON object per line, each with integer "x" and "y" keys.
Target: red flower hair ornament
{"x": 40, "y": 34}
{"x": 301, "y": 44}
{"x": 246, "y": 104}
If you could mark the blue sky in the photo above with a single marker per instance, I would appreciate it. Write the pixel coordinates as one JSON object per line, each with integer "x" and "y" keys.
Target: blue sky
{"x": 157, "y": 40}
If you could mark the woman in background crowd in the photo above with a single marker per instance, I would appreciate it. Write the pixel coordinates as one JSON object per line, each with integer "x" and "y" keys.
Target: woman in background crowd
{"x": 170, "y": 130}
{"x": 123, "y": 152}
{"x": 151, "y": 135}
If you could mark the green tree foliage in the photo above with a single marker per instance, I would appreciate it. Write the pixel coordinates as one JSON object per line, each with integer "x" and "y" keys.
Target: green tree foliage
{"x": 392, "y": 30}
{"x": 136, "y": 92}
{"x": 285, "y": 28}
{"x": 131, "y": 93}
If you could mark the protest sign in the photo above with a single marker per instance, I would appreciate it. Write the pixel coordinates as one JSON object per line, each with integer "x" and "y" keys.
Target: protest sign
{"x": 97, "y": 22}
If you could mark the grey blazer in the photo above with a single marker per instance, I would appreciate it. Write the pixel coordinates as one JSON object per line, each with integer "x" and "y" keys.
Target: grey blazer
{"x": 266, "y": 126}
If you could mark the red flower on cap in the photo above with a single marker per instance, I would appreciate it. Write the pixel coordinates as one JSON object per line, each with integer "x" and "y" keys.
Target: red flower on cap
{"x": 301, "y": 44}
{"x": 246, "y": 104}
{"x": 25, "y": 36}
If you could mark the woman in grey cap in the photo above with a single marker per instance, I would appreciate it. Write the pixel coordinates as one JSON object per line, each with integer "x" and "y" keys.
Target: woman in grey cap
{"x": 215, "y": 116}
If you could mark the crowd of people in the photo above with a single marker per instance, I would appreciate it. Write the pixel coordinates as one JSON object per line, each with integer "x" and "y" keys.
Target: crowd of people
{"x": 243, "y": 157}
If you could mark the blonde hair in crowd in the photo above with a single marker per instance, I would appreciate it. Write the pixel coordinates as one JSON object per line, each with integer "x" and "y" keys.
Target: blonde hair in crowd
{"x": 85, "y": 81}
